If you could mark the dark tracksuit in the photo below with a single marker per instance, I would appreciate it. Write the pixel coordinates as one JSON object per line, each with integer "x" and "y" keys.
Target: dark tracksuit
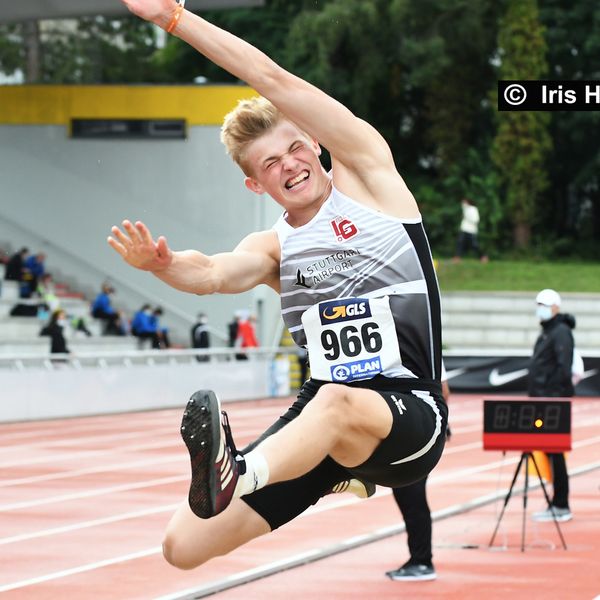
{"x": 550, "y": 374}
{"x": 412, "y": 502}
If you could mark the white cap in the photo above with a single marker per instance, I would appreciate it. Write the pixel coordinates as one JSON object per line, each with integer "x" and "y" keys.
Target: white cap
{"x": 548, "y": 297}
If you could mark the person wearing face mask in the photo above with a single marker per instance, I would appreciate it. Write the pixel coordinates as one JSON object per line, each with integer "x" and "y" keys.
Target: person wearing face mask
{"x": 55, "y": 331}
{"x": 550, "y": 375}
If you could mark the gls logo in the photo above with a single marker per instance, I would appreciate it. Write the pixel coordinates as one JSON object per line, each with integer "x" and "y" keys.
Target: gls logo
{"x": 344, "y": 310}
{"x": 343, "y": 228}
{"x": 341, "y": 312}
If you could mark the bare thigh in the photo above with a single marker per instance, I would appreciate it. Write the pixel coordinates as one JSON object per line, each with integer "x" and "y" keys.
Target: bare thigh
{"x": 190, "y": 541}
{"x": 363, "y": 419}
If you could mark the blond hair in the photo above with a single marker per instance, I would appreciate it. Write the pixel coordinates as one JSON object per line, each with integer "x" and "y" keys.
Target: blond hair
{"x": 248, "y": 121}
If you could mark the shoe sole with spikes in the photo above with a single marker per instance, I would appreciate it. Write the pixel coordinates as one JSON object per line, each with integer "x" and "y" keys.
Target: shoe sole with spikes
{"x": 201, "y": 432}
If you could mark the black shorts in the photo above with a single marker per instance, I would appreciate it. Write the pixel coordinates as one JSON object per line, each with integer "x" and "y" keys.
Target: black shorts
{"x": 408, "y": 454}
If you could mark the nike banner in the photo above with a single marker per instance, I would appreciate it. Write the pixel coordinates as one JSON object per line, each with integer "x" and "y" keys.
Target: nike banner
{"x": 489, "y": 374}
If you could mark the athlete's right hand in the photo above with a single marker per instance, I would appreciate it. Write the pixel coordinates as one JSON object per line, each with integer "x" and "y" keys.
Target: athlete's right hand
{"x": 138, "y": 248}
{"x": 157, "y": 11}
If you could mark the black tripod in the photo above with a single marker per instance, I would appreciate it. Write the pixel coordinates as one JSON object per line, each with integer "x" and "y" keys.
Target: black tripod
{"x": 525, "y": 460}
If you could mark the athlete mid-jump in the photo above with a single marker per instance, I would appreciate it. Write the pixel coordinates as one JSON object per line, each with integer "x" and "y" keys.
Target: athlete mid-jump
{"x": 351, "y": 261}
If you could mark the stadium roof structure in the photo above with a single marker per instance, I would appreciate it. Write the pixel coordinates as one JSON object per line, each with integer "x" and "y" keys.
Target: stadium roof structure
{"x": 25, "y": 10}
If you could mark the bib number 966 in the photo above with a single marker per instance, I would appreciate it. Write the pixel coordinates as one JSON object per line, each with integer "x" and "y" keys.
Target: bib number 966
{"x": 350, "y": 341}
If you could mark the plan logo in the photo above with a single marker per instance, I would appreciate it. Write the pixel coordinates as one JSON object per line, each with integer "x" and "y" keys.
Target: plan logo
{"x": 344, "y": 310}
{"x": 354, "y": 371}
{"x": 343, "y": 228}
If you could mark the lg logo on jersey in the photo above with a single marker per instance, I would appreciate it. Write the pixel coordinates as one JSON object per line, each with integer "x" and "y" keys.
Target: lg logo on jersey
{"x": 343, "y": 228}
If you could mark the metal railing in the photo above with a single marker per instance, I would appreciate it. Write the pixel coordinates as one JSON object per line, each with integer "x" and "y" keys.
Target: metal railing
{"x": 130, "y": 358}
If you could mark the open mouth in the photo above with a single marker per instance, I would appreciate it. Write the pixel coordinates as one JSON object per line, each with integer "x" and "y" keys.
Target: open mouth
{"x": 296, "y": 181}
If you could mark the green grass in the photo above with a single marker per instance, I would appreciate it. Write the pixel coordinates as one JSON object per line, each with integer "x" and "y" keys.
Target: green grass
{"x": 524, "y": 276}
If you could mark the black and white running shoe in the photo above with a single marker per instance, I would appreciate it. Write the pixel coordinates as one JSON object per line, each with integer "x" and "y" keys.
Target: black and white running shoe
{"x": 358, "y": 487}
{"x": 216, "y": 464}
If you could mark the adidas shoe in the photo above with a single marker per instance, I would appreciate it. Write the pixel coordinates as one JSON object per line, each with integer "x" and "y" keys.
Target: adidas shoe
{"x": 413, "y": 572}
{"x": 358, "y": 487}
{"x": 552, "y": 513}
{"x": 216, "y": 464}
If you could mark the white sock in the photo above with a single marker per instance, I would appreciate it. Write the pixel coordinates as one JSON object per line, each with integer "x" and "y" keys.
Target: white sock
{"x": 256, "y": 475}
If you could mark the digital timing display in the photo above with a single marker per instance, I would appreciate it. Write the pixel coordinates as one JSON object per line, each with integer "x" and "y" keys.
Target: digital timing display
{"x": 527, "y": 424}
{"x": 520, "y": 416}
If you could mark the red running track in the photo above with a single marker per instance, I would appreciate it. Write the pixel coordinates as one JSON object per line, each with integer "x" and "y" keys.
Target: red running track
{"x": 84, "y": 502}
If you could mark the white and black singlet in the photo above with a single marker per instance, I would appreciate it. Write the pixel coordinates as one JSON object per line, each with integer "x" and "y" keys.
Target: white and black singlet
{"x": 349, "y": 252}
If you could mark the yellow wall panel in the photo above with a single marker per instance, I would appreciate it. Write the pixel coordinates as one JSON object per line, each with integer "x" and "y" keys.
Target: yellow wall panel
{"x": 57, "y": 105}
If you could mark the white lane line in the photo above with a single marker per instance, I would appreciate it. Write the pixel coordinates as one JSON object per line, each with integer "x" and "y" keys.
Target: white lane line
{"x": 133, "y": 420}
{"x": 101, "y": 469}
{"x": 301, "y": 559}
{"x": 86, "y": 524}
{"x": 316, "y": 553}
{"x": 433, "y": 480}
{"x": 451, "y": 448}
{"x": 80, "y": 569}
{"x": 65, "y": 442}
{"x": 98, "y": 492}
{"x": 66, "y": 428}
{"x": 83, "y": 454}
{"x": 589, "y": 442}
{"x": 154, "y": 482}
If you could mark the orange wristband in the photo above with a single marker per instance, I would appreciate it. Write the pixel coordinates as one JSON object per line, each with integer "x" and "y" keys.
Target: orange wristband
{"x": 176, "y": 16}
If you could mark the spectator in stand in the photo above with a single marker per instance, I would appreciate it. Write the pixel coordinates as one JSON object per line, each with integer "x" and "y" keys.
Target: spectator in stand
{"x": 232, "y": 328}
{"x": 143, "y": 326}
{"x": 201, "y": 336}
{"x": 15, "y": 265}
{"x": 103, "y": 309}
{"x": 246, "y": 333}
{"x": 55, "y": 330}
{"x": 47, "y": 293}
{"x": 162, "y": 333}
{"x": 34, "y": 265}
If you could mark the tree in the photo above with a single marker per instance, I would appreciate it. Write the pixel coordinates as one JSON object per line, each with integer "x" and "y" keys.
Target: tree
{"x": 12, "y": 51}
{"x": 573, "y": 210}
{"x": 265, "y": 27}
{"x": 522, "y": 142}
{"x": 444, "y": 47}
{"x": 86, "y": 50}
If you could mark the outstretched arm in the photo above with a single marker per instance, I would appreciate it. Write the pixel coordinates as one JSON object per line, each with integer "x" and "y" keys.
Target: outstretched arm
{"x": 253, "y": 262}
{"x": 353, "y": 143}
{"x": 330, "y": 122}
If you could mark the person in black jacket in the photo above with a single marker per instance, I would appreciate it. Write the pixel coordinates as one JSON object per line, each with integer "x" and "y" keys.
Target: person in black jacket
{"x": 15, "y": 265}
{"x": 54, "y": 329}
{"x": 550, "y": 375}
{"x": 201, "y": 336}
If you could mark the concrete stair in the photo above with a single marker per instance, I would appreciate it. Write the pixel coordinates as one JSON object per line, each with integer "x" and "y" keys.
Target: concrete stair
{"x": 506, "y": 320}
{"x": 20, "y": 335}
{"x": 76, "y": 344}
